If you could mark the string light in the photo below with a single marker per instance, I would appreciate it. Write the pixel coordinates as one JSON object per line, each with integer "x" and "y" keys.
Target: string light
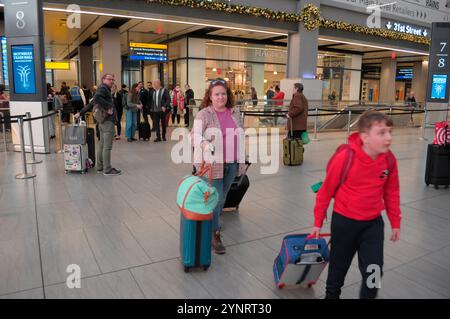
{"x": 309, "y": 16}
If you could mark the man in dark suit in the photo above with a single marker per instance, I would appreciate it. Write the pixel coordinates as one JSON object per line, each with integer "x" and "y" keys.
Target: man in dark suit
{"x": 161, "y": 106}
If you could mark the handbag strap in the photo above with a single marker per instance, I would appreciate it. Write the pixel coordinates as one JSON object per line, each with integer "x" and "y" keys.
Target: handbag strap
{"x": 205, "y": 169}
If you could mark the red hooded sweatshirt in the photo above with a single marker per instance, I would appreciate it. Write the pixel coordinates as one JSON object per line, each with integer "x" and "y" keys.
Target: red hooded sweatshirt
{"x": 368, "y": 189}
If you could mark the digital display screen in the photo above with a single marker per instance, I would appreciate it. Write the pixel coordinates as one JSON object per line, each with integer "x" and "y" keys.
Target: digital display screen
{"x": 404, "y": 74}
{"x": 148, "y": 54}
{"x": 5, "y": 61}
{"x": 439, "y": 86}
{"x": 23, "y": 69}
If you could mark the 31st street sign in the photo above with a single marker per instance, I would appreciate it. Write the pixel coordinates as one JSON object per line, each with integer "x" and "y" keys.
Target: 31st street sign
{"x": 406, "y": 28}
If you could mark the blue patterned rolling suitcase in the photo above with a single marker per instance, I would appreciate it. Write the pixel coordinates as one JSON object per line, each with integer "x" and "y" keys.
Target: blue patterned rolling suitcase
{"x": 301, "y": 260}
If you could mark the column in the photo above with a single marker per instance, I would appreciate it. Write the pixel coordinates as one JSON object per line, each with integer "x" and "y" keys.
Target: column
{"x": 302, "y": 49}
{"x": 86, "y": 66}
{"x": 302, "y": 59}
{"x": 352, "y": 86}
{"x": 419, "y": 85}
{"x": 110, "y": 60}
{"x": 387, "y": 82}
{"x": 258, "y": 79}
{"x": 25, "y": 41}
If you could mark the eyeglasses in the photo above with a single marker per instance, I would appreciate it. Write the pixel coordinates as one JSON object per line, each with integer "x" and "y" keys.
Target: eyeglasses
{"x": 110, "y": 79}
{"x": 218, "y": 81}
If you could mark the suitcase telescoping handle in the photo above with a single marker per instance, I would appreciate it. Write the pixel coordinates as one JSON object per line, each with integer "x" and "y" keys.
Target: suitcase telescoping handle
{"x": 320, "y": 236}
{"x": 292, "y": 127}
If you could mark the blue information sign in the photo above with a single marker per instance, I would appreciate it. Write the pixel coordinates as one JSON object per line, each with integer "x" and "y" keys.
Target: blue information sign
{"x": 439, "y": 86}
{"x": 23, "y": 69}
{"x": 148, "y": 54}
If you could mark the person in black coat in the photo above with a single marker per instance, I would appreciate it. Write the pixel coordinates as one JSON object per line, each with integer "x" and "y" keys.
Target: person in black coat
{"x": 143, "y": 96}
{"x": 188, "y": 100}
{"x": 149, "y": 102}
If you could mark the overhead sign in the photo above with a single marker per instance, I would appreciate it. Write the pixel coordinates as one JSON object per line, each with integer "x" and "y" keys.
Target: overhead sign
{"x": 404, "y": 74}
{"x": 23, "y": 69}
{"x": 423, "y": 11}
{"x": 406, "y": 28}
{"x": 51, "y": 65}
{"x": 148, "y": 52}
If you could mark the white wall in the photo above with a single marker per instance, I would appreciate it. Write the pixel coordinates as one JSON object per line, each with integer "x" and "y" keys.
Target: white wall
{"x": 312, "y": 88}
{"x": 197, "y": 68}
{"x": 68, "y": 76}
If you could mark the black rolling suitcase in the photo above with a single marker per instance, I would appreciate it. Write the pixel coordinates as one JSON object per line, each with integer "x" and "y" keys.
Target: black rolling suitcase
{"x": 91, "y": 144}
{"x": 144, "y": 131}
{"x": 237, "y": 191}
{"x": 437, "y": 171}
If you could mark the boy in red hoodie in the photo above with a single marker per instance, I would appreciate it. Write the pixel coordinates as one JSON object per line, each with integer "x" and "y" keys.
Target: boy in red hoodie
{"x": 369, "y": 186}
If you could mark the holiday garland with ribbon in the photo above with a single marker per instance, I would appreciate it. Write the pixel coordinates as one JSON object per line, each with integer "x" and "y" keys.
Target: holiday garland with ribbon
{"x": 309, "y": 16}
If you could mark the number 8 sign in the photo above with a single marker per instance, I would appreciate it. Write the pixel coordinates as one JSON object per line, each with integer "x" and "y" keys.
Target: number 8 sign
{"x": 20, "y": 24}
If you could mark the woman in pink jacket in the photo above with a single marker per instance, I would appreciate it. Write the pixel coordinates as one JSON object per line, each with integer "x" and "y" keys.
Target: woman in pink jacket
{"x": 218, "y": 127}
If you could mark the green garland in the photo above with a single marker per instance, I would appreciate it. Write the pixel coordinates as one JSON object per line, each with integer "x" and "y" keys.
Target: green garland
{"x": 309, "y": 16}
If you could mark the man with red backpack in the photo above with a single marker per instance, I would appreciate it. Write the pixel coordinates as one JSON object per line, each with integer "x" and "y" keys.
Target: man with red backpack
{"x": 363, "y": 179}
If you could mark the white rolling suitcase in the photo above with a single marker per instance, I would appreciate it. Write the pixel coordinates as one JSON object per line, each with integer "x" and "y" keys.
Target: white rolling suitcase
{"x": 76, "y": 148}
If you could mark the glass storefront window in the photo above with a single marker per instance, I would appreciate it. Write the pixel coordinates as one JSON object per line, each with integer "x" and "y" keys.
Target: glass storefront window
{"x": 236, "y": 51}
{"x": 177, "y": 49}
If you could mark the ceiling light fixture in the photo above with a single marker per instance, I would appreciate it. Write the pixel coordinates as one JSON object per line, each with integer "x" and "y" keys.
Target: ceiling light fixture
{"x": 374, "y": 46}
{"x": 161, "y": 20}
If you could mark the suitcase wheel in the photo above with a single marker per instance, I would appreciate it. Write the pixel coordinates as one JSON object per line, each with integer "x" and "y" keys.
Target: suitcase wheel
{"x": 436, "y": 186}
{"x": 446, "y": 186}
{"x": 310, "y": 285}
{"x": 281, "y": 286}
{"x": 427, "y": 184}
{"x": 186, "y": 269}
{"x": 205, "y": 268}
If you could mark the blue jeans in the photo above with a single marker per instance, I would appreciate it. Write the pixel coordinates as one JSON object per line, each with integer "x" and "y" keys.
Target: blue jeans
{"x": 131, "y": 123}
{"x": 223, "y": 185}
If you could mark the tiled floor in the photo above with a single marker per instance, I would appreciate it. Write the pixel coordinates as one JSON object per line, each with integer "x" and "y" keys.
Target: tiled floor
{"x": 123, "y": 231}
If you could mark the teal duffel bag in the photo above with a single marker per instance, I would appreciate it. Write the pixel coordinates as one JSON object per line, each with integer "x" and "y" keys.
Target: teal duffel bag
{"x": 196, "y": 198}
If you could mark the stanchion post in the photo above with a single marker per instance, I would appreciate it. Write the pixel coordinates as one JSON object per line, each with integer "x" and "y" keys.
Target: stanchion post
{"x": 61, "y": 146}
{"x": 315, "y": 125}
{"x": 348, "y": 122}
{"x": 30, "y": 131}
{"x": 424, "y": 123}
{"x": 25, "y": 174}
{"x": 2, "y": 115}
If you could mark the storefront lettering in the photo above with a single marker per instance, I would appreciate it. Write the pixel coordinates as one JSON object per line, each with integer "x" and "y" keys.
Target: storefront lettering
{"x": 433, "y": 4}
{"x": 270, "y": 54}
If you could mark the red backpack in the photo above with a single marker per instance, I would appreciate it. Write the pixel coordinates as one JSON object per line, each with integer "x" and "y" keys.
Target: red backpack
{"x": 350, "y": 154}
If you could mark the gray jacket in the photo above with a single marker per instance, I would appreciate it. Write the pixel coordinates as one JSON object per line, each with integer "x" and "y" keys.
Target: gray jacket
{"x": 103, "y": 98}
{"x": 164, "y": 100}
